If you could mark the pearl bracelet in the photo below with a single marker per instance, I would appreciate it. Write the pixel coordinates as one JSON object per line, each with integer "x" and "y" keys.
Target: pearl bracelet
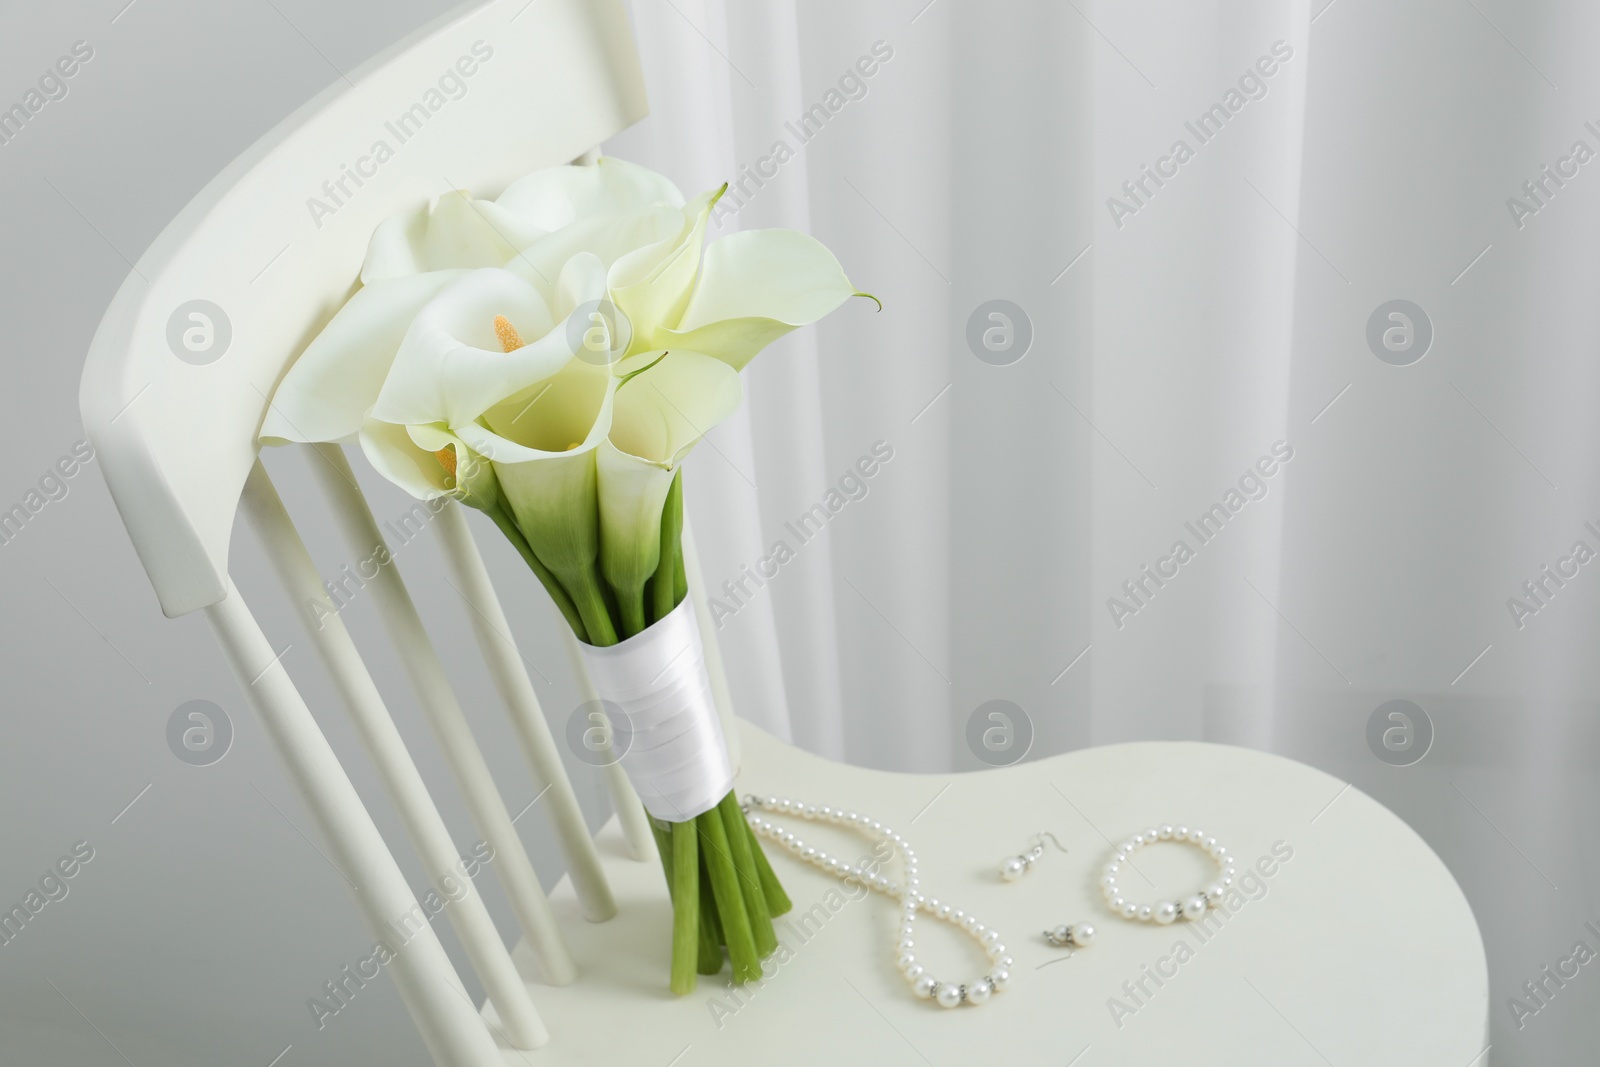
{"x": 925, "y": 985}
{"x": 1166, "y": 911}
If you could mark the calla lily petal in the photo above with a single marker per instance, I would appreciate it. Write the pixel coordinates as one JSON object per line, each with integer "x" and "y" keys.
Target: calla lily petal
{"x": 658, "y": 416}
{"x": 632, "y": 492}
{"x": 413, "y": 467}
{"x": 470, "y": 475}
{"x": 327, "y": 392}
{"x": 662, "y": 413}
{"x": 455, "y": 231}
{"x": 452, "y": 365}
{"x": 651, "y": 285}
{"x": 559, "y": 196}
{"x": 543, "y": 456}
{"x": 608, "y": 237}
{"x": 754, "y": 287}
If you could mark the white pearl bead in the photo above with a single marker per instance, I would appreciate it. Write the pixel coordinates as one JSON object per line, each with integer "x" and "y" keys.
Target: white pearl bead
{"x": 1012, "y": 869}
{"x": 995, "y": 950}
{"x": 924, "y": 986}
{"x": 1208, "y": 843}
{"x": 999, "y": 978}
{"x": 989, "y": 937}
{"x": 906, "y": 944}
{"x": 1146, "y": 912}
{"x": 1165, "y": 833}
{"x": 809, "y": 853}
{"x": 949, "y": 995}
{"x": 1117, "y": 902}
{"x": 1180, "y": 833}
{"x": 970, "y": 923}
{"x": 943, "y": 911}
{"x": 1004, "y": 962}
{"x": 1214, "y": 891}
{"x": 1166, "y": 912}
{"x": 1130, "y": 910}
{"x": 1196, "y": 836}
{"x": 1082, "y": 934}
{"x": 958, "y": 917}
{"x": 914, "y": 972}
{"x": 905, "y": 961}
{"x": 978, "y": 991}
{"x": 1194, "y": 907}
{"x": 1153, "y": 834}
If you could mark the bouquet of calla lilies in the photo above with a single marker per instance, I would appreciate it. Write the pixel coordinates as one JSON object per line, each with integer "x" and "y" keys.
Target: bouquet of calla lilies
{"x": 550, "y": 358}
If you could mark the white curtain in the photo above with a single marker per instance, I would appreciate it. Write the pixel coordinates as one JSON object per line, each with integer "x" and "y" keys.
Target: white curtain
{"x": 1197, "y": 340}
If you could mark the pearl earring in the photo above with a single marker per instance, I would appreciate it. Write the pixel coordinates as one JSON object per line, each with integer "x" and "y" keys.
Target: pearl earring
{"x": 1017, "y": 866}
{"x": 1070, "y": 935}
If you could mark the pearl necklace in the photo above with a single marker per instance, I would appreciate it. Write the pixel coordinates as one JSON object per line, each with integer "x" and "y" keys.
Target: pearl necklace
{"x": 925, "y": 985}
{"x": 1166, "y": 911}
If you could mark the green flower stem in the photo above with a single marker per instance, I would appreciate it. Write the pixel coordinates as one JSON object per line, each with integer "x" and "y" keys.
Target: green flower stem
{"x": 755, "y": 901}
{"x": 729, "y": 897}
{"x": 558, "y": 593}
{"x": 710, "y": 930}
{"x": 590, "y": 599}
{"x": 685, "y": 907}
{"x": 680, "y": 577}
{"x": 664, "y": 589}
{"x": 630, "y": 610}
{"x": 778, "y": 902}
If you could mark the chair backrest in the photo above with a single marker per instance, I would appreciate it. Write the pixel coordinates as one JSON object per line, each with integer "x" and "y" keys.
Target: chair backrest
{"x": 177, "y": 383}
{"x": 197, "y": 338}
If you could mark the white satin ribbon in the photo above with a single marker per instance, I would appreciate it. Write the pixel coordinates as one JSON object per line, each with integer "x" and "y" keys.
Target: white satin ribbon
{"x": 676, "y": 758}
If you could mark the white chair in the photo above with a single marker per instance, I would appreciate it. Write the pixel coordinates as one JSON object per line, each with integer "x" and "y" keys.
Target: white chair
{"x": 177, "y": 382}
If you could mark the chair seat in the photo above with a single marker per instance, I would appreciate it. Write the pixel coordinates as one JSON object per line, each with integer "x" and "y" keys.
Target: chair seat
{"x": 1358, "y": 948}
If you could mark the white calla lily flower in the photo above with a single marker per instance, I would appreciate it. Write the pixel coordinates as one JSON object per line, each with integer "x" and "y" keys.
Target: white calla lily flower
{"x": 485, "y": 337}
{"x": 541, "y": 442}
{"x": 430, "y": 462}
{"x": 652, "y": 285}
{"x": 658, "y": 416}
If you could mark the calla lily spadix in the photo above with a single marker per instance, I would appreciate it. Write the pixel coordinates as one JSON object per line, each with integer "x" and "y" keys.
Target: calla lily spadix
{"x": 472, "y": 363}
